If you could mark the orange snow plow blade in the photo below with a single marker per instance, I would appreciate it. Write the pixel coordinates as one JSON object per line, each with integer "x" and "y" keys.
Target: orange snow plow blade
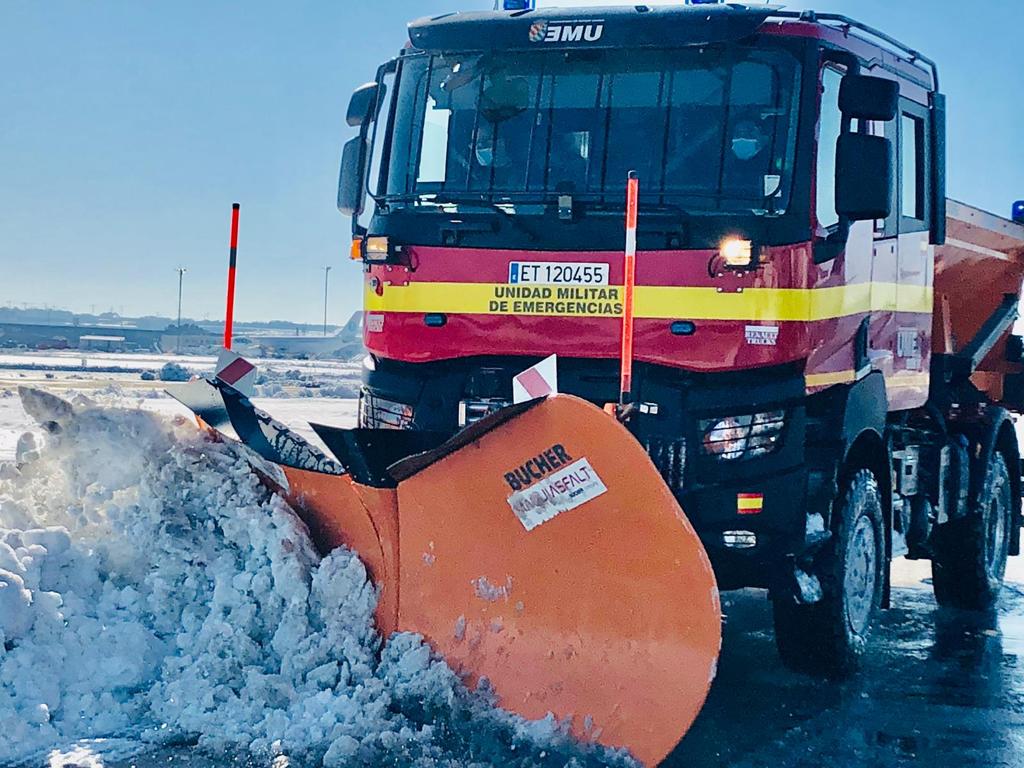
{"x": 540, "y": 550}
{"x": 606, "y": 613}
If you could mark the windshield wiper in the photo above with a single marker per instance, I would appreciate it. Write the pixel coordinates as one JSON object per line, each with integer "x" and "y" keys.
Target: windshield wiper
{"x": 511, "y": 218}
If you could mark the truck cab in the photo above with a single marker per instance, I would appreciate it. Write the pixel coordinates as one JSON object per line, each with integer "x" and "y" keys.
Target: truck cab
{"x": 792, "y": 197}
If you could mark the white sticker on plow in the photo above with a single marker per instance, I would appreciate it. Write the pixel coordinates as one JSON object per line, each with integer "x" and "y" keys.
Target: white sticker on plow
{"x": 559, "y": 492}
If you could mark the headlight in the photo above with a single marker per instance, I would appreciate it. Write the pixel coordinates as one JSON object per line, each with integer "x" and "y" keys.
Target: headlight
{"x": 737, "y": 252}
{"x": 376, "y": 249}
{"x": 766, "y": 433}
{"x": 727, "y": 438}
{"x": 743, "y": 437}
{"x": 378, "y": 413}
{"x": 473, "y": 410}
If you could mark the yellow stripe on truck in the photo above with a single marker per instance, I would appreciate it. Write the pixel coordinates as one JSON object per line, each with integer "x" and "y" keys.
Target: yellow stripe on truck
{"x": 652, "y": 302}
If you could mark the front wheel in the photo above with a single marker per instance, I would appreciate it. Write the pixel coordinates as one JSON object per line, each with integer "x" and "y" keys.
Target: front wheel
{"x": 830, "y": 636}
{"x": 971, "y": 553}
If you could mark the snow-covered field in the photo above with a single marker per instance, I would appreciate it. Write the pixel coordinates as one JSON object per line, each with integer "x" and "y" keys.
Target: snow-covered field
{"x": 297, "y": 392}
{"x": 146, "y": 361}
{"x": 157, "y": 602}
{"x": 88, "y": 371}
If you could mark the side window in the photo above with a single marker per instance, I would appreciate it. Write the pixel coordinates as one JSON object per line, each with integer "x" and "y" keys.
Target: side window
{"x": 830, "y": 126}
{"x": 913, "y": 170}
{"x": 376, "y": 178}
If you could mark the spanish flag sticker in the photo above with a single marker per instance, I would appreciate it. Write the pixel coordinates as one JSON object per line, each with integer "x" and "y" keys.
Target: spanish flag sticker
{"x": 749, "y": 503}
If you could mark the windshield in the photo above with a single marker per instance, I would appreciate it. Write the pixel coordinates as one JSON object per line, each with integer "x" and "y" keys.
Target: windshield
{"x": 706, "y": 129}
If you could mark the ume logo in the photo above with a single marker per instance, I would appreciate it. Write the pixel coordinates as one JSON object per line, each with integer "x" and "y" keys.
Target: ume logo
{"x": 566, "y": 32}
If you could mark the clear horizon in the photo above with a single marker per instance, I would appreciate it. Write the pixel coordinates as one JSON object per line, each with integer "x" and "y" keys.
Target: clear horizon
{"x": 130, "y": 128}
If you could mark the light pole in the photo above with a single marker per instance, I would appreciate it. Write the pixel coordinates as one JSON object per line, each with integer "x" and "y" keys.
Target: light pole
{"x": 327, "y": 272}
{"x": 181, "y": 277}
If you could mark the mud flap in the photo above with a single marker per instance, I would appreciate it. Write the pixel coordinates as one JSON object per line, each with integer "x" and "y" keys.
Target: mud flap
{"x": 538, "y": 550}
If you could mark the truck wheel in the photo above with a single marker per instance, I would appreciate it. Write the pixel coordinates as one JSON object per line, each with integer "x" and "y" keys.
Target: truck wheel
{"x": 970, "y": 553}
{"x": 829, "y": 637}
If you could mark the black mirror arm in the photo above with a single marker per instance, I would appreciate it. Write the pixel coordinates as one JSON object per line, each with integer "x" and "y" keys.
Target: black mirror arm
{"x": 828, "y": 249}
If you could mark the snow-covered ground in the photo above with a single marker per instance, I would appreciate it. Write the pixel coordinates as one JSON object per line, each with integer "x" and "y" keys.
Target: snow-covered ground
{"x": 154, "y": 594}
{"x": 87, "y": 371}
{"x": 73, "y": 358}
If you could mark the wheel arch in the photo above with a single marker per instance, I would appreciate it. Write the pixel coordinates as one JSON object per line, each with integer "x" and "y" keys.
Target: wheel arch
{"x": 865, "y": 415}
{"x": 858, "y": 414}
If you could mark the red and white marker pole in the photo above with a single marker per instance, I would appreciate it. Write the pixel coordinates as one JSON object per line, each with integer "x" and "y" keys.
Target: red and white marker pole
{"x": 628, "y": 285}
{"x": 229, "y": 317}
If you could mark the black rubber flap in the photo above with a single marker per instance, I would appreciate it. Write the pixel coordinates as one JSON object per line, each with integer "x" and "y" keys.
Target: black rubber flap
{"x": 408, "y": 467}
{"x": 233, "y": 415}
{"x": 367, "y": 453}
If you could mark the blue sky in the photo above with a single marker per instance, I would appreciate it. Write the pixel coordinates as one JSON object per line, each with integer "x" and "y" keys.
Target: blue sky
{"x": 128, "y": 127}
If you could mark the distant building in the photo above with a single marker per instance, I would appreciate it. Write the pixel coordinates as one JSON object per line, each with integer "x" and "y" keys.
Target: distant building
{"x": 101, "y": 343}
{"x": 32, "y": 336}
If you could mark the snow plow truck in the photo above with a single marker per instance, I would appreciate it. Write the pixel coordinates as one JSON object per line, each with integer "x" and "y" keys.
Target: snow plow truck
{"x": 823, "y": 369}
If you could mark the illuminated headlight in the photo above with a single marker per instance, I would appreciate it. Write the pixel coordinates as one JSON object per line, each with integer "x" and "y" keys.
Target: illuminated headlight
{"x": 376, "y": 249}
{"x": 737, "y": 252}
{"x": 378, "y": 413}
{"x": 743, "y": 437}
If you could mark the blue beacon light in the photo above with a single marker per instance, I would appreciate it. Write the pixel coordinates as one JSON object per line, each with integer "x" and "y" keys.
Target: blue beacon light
{"x": 518, "y": 5}
{"x": 1018, "y": 212}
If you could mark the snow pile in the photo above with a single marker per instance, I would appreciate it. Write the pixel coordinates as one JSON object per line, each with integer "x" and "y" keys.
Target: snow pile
{"x": 150, "y": 587}
{"x": 271, "y": 382}
{"x": 174, "y": 372}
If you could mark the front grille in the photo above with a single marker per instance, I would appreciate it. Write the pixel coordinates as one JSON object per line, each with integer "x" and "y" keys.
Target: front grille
{"x": 669, "y": 456}
{"x": 378, "y": 413}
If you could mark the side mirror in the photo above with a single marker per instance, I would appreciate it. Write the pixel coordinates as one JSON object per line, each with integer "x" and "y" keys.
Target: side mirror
{"x": 351, "y": 186}
{"x": 864, "y": 177}
{"x": 869, "y": 98}
{"x": 362, "y": 102}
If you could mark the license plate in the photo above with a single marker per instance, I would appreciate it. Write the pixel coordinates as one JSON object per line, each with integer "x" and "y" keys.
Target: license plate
{"x": 556, "y": 273}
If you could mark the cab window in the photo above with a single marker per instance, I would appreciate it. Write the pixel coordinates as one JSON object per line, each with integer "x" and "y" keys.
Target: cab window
{"x": 913, "y": 168}
{"x": 830, "y": 127}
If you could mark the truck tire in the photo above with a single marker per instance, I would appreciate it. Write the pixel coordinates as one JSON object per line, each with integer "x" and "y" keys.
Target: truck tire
{"x": 829, "y": 637}
{"x": 970, "y": 553}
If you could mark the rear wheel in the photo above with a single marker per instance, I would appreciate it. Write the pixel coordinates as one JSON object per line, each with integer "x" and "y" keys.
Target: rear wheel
{"x": 970, "y": 553}
{"x": 830, "y": 636}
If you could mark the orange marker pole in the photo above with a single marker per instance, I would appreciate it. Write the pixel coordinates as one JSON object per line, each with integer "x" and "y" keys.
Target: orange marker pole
{"x": 628, "y": 285}
{"x": 229, "y": 317}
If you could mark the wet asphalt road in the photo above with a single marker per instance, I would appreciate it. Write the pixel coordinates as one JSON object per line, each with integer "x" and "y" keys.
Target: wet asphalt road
{"x": 939, "y": 688}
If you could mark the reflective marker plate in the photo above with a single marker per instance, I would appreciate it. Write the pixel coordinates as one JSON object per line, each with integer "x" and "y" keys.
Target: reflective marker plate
{"x": 556, "y": 273}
